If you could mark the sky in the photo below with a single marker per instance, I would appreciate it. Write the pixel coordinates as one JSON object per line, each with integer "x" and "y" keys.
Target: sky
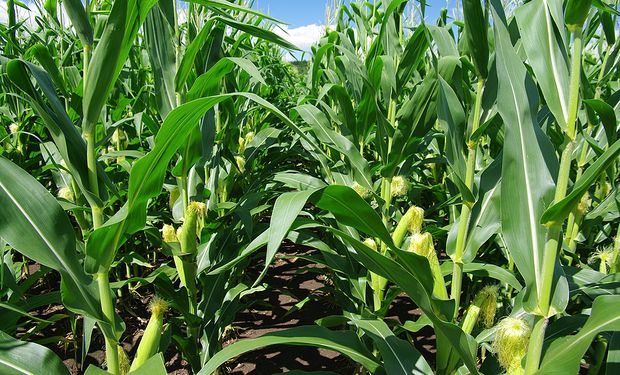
{"x": 305, "y": 19}
{"x": 298, "y": 13}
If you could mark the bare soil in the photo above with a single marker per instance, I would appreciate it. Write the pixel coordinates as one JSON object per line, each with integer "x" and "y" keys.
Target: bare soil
{"x": 291, "y": 280}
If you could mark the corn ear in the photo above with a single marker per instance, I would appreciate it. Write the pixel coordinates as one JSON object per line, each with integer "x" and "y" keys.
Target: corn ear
{"x": 422, "y": 244}
{"x": 149, "y": 344}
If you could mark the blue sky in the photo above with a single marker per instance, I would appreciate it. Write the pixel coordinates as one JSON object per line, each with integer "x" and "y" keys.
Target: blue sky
{"x": 305, "y": 19}
{"x": 306, "y": 12}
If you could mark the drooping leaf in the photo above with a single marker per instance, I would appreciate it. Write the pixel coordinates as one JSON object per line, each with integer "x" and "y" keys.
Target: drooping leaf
{"x": 345, "y": 342}
{"x": 608, "y": 117}
{"x": 64, "y": 133}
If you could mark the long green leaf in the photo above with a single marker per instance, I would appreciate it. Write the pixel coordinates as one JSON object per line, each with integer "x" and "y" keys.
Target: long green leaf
{"x": 285, "y": 210}
{"x": 476, "y": 30}
{"x": 34, "y": 224}
{"x": 540, "y": 22}
{"x": 322, "y": 129}
{"x": 64, "y": 133}
{"x": 527, "y": 183}
{"x": 148, "y": 173}
{"x": 345, "y": 342}
{"x": 81, "y": 24}
{"x": 124, "y": 21}
{"x": 159, "y": 37}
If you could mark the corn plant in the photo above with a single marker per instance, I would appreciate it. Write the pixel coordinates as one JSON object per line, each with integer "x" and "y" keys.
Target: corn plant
{"x": 469, "y": 166}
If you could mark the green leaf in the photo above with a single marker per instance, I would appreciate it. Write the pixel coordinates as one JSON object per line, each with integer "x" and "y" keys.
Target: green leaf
{"x": 485, "y": 217}
{"x": 413, "y": 55}
{"x": 81, "y": 24}
{"x": 26, "y": 358}
{"x": 322, "y": 129}
{"x": 452, "y": 121}
{"x": 299, "y": 181}
{"x": 345, "y": 342}
{"x": 34, "y": 224}
{"x": 540, "y": 22}
{"x": 560, "y": 210}
{"x": 213, "y": 36}
{"x": 527, "y": 183}
{"x": 42, "y": 54}
{"x": 94, "y": 370}
{"x": 399, "y": 356}
{"x": 476, "y": 35}
{"x": 613, "y": 355}
{"x": 224, "y": 4}
{"x": 148, "y": 173}
{"x": 208, "y": 83}
{"x": 608, "y": 117}
{"x": 413, "y": 118}
{"x": 350, "y": 209}
{"x": 153, "y": 366}
{"x": 124, "y": 21}
{"x": 564, "y": 354}
{"x": 65, "y": 135}
{"x": 258, "y": 32}
{"x": 285, "y": 210}
{"x": 159, "y": 38}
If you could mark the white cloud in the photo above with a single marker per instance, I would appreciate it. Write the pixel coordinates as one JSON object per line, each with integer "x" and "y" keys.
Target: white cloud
{"x": 303, "y": 36}
{"x": 3, "y": 14}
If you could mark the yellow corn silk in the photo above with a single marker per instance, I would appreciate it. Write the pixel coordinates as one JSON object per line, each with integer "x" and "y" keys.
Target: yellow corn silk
{"x": 399, "y": 186}
{"x": 510, "y": 344}
{"x": 486, "y": 300}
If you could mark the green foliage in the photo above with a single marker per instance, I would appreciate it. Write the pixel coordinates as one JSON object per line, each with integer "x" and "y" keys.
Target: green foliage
{"x": 497, "y": 127}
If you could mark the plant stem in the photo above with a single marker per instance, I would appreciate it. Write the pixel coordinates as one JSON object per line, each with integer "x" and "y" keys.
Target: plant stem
{"x": 107, "y": 305}
{"x": 90, "y": 131}
{"x": 461, "y": 239}
{"x": 575, "y": 75}
{"x": 91, "y": 161}
{"x": 535, "y": 345}
{"x": 573, "y": 219}
{"x": 552, "y": 245}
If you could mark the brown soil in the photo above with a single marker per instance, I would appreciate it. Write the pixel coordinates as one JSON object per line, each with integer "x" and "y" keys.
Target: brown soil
{"x": 291, "y": 280}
